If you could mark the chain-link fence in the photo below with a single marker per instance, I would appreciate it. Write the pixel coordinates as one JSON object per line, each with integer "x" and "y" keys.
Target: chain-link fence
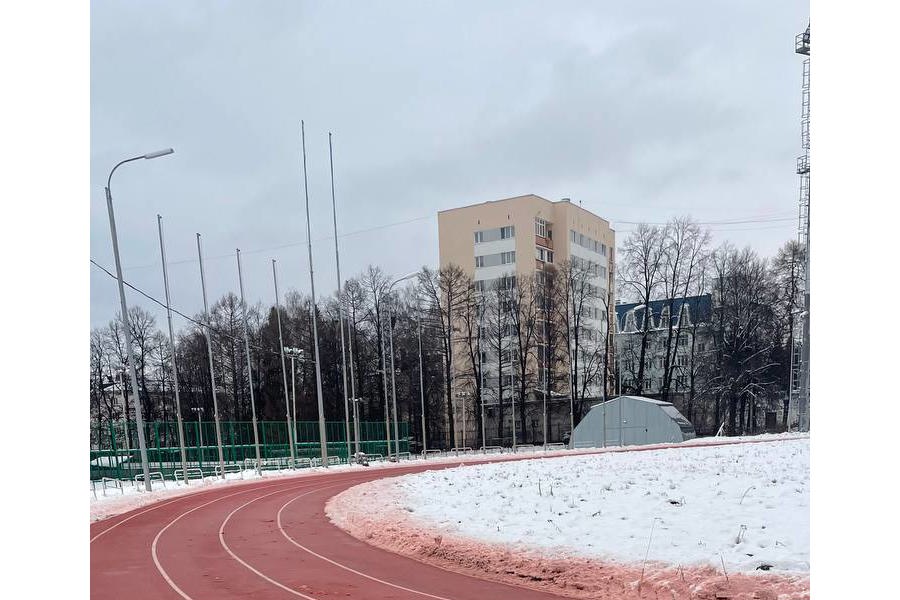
{"x": 116, "y": 452}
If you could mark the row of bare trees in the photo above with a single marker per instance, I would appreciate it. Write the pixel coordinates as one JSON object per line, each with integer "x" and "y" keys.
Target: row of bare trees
{"x": 527, "y": 323}
{"x": 736, "y": 359}
{"x": 509, "y": 342}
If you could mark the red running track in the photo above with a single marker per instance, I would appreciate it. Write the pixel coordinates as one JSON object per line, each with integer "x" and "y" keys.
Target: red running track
{"x": 268, "y": 539}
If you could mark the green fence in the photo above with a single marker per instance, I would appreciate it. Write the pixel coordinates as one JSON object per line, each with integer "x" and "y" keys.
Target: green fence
{"x": 118, "y": 455}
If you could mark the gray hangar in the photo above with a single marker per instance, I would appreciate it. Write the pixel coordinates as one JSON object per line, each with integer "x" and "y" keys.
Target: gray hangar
{"x": 629, "y": 421}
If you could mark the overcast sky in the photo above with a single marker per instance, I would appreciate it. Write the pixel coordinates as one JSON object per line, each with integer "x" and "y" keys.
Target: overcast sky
{"x": 639, "y": 110}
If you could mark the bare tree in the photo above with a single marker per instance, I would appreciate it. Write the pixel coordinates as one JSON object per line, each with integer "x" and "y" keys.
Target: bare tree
{"x": 497, "y": 338}
{"x": 685, "y": 250}
{"x": 445, "y": 291}
{"x": 744, "y": 298}
{"x": 641, "y": 274}
{"x": 787, "y": 268}
{"x": 523, "y": 319}
{"x": 577, "y": 304}
{"x": 472, "y": 319}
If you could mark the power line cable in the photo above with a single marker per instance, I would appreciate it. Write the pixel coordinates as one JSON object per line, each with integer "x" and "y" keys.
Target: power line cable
{"x": 762, "y": 218}
{"x": 289, "y": 244}
{"x": 181, "y": 314}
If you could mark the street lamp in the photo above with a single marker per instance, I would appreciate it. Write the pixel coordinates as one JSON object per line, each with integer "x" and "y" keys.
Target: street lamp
{"x": 287, "y": 410}
{"x": 199, "y": 411}
{"x": 124, "y": 306}
{"x": 393, "y": 380}
{"x": 294, "y": 354}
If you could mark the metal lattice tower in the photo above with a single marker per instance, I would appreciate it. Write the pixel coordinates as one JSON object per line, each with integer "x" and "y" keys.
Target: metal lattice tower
{"x": 799, "y": 385}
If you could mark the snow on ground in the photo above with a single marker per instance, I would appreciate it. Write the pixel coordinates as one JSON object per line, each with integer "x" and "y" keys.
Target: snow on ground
{"x": 687, "y": 520}
{"x": 746, "y": 505}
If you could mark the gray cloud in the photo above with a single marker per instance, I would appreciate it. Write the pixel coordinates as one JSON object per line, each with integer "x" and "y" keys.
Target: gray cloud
{"x": 640, "y": 110}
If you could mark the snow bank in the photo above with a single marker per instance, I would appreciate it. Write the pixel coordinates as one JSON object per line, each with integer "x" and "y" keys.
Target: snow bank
{"x": 582, "y": 524}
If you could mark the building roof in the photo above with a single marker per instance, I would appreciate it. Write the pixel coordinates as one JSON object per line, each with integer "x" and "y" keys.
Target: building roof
{"x": 495, "y": 201}
{"x": 639, "y": 399}
{"x": 699, "y": 310}
{"x": 562, "y": 201}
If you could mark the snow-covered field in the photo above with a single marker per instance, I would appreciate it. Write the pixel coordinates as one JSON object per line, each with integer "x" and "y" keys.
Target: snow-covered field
{"x": 744, "y": 505}
{"x": 706, "y": 519}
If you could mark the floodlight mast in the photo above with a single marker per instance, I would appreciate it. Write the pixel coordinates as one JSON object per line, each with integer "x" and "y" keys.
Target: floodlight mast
{"x": 145, "y": 464}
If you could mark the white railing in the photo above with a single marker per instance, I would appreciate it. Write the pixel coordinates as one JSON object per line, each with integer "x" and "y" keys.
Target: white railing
{"x": 106, "y": 481}
{"x": 427, "y": 452}
{"x": 524, "y": 447}
{"x": 492, "y": 449}
{"x": 463, "y": 449}
{"x": 154, "y": 476}
{"x": 557, "y": 446}
{"x": 189, "y": 473}
{"x": 332, "y": 460}
{"x": 232, "y": 468}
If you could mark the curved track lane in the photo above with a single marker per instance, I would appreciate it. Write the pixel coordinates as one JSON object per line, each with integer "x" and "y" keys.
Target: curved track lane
{"x": 265, "y": 540}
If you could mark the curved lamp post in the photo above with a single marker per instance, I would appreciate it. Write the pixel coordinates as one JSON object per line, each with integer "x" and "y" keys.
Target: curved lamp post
{"x": 384, "y": 375}
{"x": 124, "y": 306}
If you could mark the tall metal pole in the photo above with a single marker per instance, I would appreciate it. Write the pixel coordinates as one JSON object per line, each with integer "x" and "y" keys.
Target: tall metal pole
{"x": 573, "y": 374}
{"x": 287, "y": 408}
{"x": 394, "y": 387}
{"x": 294, "y": 400}
{"x": 387, "y": 417}
{"x": 337, "y": 262}
{"x": 165, "y": 270}
{"x": 353, "y": 387}
{"x": 546, "y": 371}
{"x": 481, "y": 375}
{"x": 212, "y": 370}
{"x": 138, "y": 413}
{"x": 312, "y": 290}
{"x": 512, "y": 394}
{"x": 249, "y": 364}
{"x": 421, "y": 382}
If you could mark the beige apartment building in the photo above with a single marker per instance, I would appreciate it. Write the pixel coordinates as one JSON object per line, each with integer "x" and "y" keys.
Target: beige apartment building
{"x": 520, "y": 236}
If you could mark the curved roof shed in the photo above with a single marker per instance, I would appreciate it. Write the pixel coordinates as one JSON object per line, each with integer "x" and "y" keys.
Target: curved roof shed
{"x": 629, "y": 421}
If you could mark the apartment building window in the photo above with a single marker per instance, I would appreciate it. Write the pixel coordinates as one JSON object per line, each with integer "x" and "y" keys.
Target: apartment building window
{"x": 603, "y": 249}
{"x": 479, "y": 261}
{"x": 541, "y": 227}
{"x": 648, "y": 384}
{"x": 543, "y": 255}
{"x": 508, "y": 257}
{"x": 492, "y": 235}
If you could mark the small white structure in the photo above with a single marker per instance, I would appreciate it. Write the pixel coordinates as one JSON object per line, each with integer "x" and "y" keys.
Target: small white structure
{"x": 629, "y": 421}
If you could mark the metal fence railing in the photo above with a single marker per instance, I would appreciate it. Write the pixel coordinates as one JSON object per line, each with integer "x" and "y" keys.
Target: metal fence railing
{"x": 118, "y": 456}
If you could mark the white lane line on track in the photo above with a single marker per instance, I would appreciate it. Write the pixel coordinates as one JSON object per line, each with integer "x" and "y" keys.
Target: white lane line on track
{"x": 343, "y": 566}
{"x": 244, "y": 563}
{"x": 187, "y": 496}
{"x": 153, "y": 546}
